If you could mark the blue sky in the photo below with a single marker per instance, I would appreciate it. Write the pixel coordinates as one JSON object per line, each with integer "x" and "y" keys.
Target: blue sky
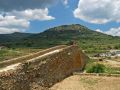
{"x": 34, "y": 17}
{"x": 64, "y": 15}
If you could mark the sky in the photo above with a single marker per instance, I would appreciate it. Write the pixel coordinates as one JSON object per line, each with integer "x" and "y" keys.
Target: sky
{"x": 34, "y": 16}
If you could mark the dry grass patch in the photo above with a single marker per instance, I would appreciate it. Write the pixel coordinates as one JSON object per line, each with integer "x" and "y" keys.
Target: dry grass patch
{"x": 78, "y": 82}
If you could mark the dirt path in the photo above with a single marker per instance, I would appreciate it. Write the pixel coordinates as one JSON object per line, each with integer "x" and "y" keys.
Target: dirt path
{"x": 54, "y": 51}
{"x": 13, "y": 66}
{"x": 78, "y": 82}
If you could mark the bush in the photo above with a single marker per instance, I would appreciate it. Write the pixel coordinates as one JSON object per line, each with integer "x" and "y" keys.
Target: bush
{"x": 95, "y": 68}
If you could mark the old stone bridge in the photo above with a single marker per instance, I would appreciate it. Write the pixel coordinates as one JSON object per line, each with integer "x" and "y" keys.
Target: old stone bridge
{"x": 44, "y": 68}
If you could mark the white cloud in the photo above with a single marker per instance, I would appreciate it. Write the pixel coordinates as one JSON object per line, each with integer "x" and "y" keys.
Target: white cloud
{"x": 33, "y": 14}
{"x": 98, "y": 11}
{"x": 13, "y": 21}
{"x": 19, "y": 21}
{"x": 8, "y": 30}
{"x": 10, "y": 24}
{"x": 98, "y": 30}
{"x": 113, "y": 31}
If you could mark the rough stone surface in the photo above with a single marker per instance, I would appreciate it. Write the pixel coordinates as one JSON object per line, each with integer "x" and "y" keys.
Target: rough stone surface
{"x": 44, "y": 71}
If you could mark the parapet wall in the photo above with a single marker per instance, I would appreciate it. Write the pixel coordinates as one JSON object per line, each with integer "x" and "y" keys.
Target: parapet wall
{"x": 45, "y": 70}
{"x": 30, "y": 56}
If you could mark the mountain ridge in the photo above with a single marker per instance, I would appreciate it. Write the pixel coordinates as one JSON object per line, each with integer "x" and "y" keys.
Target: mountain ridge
{"x": 85, "y": 37}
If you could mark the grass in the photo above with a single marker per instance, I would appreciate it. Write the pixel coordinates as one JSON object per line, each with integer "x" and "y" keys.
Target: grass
{"x": 112, "y": 70}
{"x": 7, "y": 54}
{"x": 97, "y": 67}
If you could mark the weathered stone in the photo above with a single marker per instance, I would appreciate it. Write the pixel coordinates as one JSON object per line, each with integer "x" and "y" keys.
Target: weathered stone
{"x": 44, "y": 71}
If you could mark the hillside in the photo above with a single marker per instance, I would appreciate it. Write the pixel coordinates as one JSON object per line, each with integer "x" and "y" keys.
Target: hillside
{"x": 10, "y": 38}
{"x": 88, "y": 39}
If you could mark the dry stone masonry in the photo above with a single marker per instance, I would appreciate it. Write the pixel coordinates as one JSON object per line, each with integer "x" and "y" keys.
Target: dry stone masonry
{"x": 43, "y": 70}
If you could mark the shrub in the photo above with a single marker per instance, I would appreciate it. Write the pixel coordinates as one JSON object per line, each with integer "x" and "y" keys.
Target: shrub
{"x": 95, "y": 68}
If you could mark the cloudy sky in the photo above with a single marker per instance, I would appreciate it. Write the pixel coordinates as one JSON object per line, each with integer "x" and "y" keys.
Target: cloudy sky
{"x": 38, "y": 15}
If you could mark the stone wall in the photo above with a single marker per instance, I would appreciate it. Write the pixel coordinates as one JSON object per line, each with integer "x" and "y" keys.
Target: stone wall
{"x": 44, "y": 71}
{"x": 30, "y": 56}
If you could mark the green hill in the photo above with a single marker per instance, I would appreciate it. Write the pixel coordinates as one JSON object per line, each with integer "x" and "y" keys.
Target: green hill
{"x": 87, "y": 39}
{"x": 11, "y": 38}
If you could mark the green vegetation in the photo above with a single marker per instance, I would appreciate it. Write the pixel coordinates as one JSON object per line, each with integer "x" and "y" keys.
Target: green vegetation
{"x": 112, "y": 70}
{"x": 95, "y": 68}
{"x": 7, "y": 54}
{"x": 92, "y": 42}
{"x": 88, "y": 40}
{"x": 9, "y": 38}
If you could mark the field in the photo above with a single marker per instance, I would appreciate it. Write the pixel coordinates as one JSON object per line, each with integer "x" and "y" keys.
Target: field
{"x": 7, "y": 54}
